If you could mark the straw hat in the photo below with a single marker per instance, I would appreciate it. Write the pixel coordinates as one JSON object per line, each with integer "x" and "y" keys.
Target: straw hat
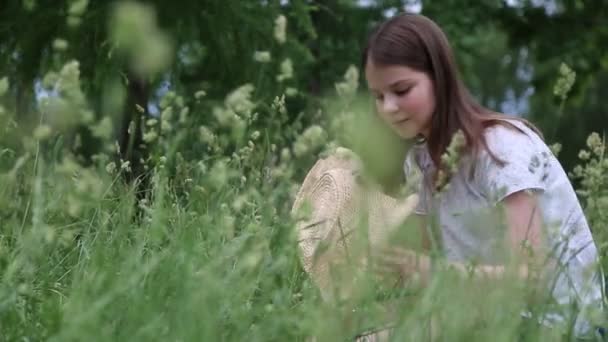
{"x": 329, "y": 207}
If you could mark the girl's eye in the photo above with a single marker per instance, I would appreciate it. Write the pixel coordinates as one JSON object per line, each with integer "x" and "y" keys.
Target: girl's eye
{"x": 402, "y": 92}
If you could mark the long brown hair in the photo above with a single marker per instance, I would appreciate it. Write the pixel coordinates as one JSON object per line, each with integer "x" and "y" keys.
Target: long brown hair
{"x": 415, "y": 41}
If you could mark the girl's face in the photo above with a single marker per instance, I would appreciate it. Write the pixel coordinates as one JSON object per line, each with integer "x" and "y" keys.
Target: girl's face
{"x": 405, "y": 98}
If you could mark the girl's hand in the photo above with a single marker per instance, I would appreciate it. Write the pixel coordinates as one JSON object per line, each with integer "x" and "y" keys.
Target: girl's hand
{"x": 398, "y": 265}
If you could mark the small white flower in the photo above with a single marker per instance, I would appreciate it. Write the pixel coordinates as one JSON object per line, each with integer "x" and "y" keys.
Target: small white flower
{"x": 150, "y": 136}
{"x": 60, "y": 44}
{"x": 103, "y": 129}
{"x": 126, "y": 166}
{"x": 280, "y": 29}
{"x": 78, "y": 7}
{"x": 262, "y": 56}
{"x": 350, "y": 84}
{"x": 200, "y": 94}
{"x": 286, "y": 70}
{"x": 111, "y": 167}
{"x": 239, "y": 100}
{"x": 3, "y": 85}
{"x": 291, "y": 92}
{"x": 183, "y": 115}
{"x": 206, "y": 135}
{"x": 312, "y": 138}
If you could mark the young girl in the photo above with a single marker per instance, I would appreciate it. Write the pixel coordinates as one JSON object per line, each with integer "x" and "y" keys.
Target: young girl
{"x": 411, "y": 72}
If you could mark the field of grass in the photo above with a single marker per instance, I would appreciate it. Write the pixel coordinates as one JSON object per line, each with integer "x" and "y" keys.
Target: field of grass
{"x": 202, "y": 245}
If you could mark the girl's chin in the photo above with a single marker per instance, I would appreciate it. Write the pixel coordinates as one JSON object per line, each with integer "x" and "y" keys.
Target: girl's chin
{"x": 407, "y": 134}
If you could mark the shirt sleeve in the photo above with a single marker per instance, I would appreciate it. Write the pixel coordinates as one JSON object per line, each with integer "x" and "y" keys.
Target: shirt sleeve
{"x": 524, "y": 166}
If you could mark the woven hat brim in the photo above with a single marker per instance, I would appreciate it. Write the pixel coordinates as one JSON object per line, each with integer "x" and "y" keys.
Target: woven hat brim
{"x": 337, "y": 203}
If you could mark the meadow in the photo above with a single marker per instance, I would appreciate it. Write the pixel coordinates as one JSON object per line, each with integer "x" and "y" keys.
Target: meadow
{"x": 196, "y": 241}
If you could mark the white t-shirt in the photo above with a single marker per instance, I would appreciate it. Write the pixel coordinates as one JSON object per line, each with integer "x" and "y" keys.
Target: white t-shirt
{"x": 465, "y": 210}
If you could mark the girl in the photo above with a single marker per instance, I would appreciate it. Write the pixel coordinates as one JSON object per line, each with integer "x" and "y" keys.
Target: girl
{"x": 503, "y": 161}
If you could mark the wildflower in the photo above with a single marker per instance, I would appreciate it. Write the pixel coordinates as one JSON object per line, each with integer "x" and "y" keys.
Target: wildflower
{"x": 68, "y": 166}
{"x": 74, "y": 206}
{"x": 218, "y": 175}
{"x": 60, "y": 44}
{"x": 255, "y": 135}
{"x": 150, "y": 136}
{"x": 200, "y": 94}
{"x": 167, "y": 113}
{"x": 29, "y": 5}
{"x": 280, "y": 29}
{"x": 351, "y": 82}
{"x": 3, "y": 85}
{"x": 166, "y": 100}
{"x": 278, "y": 104}
{"x": 450, "y": 160}
{"x": 565, "y": 82}
{"x": 239, "y": 202}
{"x": 285, "y": 154}
{"x": 179, "y": 101}
{"x": 86, "y": 116}
{"x": 239, "y": 100}
{"x": 224, "y": 117}
{"x": 262, "y": 56}
{"x": 205, "y": 135}
{"x": 201, "y": 166}
{"x": 134, "y": 30}
{"x": 291, "y": 92}
{"x": 42, "y": 132}
{"x": 69, "y": 107}
{"x": 183, "y": 115}
{"x": 74, "y": 21}
{"x": 139, "y": 108}
{"x": 111, "y": 168}
{"x": 166, "y": 126}
{"x": 88, "y": 184}
{"x": 78, "y": 7}
{"x": 103, "y": 129}
{"x": 345, "y": 153}
{"x": 286, "y": 70}
{"x": 125, "y": 166}
{"x": 131, "y": 127}
{"x": 556, "y": 148}
{"x": 595, "y": 144}
{"x": 312, "y": 138}
{"x": 68, "y": 83}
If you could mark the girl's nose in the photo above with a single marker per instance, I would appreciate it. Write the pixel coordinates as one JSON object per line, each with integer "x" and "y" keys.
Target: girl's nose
{"x": 389, "y": 105}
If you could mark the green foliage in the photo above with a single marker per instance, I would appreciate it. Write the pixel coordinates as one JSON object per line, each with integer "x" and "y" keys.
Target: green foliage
{"x": 198, "y": 243}
{"x": 593, "y": 176}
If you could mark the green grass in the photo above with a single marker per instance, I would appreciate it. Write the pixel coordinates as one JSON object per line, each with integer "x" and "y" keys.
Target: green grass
{"x": 206, "y": 249}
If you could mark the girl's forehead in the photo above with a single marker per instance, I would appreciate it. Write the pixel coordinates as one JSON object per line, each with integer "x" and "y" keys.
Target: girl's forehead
{"x": 386, "y": 75}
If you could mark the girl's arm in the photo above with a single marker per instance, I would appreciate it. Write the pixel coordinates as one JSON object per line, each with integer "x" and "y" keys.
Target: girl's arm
{"x": 524, "y": 222}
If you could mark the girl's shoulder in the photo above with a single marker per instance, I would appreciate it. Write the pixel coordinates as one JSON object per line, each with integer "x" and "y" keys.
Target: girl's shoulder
{"x": 516, "y": 159}
{"x": 512, "y": 136}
